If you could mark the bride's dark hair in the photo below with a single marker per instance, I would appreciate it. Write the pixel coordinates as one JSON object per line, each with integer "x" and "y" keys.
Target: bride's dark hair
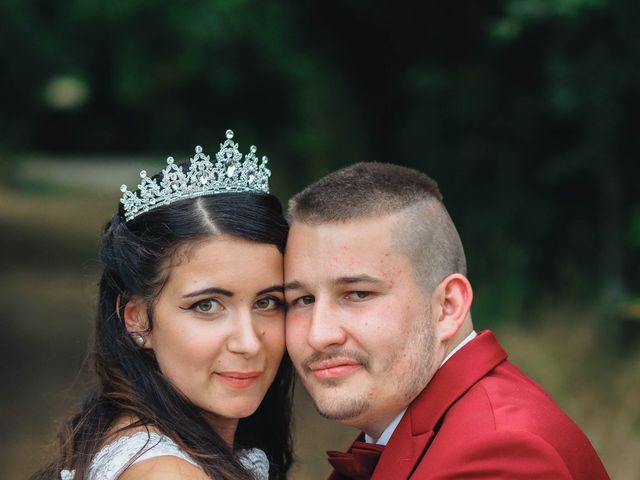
{"x": 136, "y": 256}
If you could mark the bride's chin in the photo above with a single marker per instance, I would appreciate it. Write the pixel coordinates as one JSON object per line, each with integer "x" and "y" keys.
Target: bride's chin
{"x": 235, "y": 412}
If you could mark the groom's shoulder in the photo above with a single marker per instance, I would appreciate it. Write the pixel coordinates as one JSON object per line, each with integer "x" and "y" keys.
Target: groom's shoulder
{"x": 505, "y": 413}
{"x": 507, "y": 423}
{"x": 508, "y": 399}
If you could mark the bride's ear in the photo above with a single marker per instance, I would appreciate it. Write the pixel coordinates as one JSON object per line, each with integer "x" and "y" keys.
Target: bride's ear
{"x": 136, "y": 322}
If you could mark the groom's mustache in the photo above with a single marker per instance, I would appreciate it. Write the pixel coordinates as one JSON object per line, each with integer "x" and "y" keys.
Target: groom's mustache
{"x": 337, "y": 354}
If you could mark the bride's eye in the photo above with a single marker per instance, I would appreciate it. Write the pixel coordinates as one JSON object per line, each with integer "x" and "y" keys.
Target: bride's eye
{"x": 208, "y": 306}
{"x": 268, "y": 303}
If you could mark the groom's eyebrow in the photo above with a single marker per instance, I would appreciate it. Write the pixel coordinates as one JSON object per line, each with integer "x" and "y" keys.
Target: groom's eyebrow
{"x": 294, "y": 285}
{"x": 348, "y": 280}
{"x": 362, "y": 278}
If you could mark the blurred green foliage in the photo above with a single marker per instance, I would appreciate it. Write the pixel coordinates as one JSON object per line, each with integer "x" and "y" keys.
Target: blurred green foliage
{"x": 525, "y": 111}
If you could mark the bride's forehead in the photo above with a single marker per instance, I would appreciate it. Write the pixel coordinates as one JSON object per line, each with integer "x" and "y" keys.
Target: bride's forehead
{"x": 227, "y": 261}
{"x": 222, "y": 249}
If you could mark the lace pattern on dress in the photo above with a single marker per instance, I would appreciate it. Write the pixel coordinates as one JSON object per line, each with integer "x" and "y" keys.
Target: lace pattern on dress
{"x": 115, "y": 457}
{"x": 256, "y": 461}
{"x": 112, "y": 459}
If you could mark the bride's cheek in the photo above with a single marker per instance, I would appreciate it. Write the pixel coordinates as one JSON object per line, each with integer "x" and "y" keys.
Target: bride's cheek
{"x": 274, "y": 340}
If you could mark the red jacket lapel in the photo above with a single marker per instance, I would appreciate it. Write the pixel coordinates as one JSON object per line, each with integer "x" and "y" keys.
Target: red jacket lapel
{"x": 417, "y": 428}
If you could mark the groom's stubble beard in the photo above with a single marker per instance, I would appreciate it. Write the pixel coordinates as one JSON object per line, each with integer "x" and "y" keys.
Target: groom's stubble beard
{"x": 349, "y": 410}
{"x": 339, "y": 410}
{"x": 419, "y": 345}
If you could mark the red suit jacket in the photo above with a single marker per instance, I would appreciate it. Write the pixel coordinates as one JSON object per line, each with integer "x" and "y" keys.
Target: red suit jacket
{"x": 482, "y": 418}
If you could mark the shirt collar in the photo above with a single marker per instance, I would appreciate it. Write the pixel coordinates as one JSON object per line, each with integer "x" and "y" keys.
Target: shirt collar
{"x": 467, "y": 339}
{"x": 386, "y": 435}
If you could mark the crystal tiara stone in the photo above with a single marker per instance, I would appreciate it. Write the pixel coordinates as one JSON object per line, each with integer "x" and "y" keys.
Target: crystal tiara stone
{"x": 228, "y": 174}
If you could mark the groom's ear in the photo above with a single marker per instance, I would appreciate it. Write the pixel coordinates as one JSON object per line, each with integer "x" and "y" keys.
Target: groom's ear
{"x": 136, "y": 320}
{"x": 452, "y": 301}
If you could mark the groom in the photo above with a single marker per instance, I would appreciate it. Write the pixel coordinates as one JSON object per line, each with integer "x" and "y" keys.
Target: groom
{"x": 380, "y": 331}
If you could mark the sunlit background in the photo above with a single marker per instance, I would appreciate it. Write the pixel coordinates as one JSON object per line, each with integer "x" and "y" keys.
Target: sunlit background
{"x": 525, "y": 111}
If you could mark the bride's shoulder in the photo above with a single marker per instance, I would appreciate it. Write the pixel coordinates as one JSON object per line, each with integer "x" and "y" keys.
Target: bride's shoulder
{"x": 163, "y": 468}
{"x": 142, "y": 453}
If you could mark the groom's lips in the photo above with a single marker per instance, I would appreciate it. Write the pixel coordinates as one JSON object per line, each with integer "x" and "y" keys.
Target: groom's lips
{"x": 333, "y": 368}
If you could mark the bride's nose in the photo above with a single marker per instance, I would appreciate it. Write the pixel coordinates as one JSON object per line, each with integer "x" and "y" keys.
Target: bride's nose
{"x": 244, "y": 338}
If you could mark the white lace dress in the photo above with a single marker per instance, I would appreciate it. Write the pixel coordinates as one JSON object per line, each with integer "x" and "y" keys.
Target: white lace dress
{"x": 114, "y": 458}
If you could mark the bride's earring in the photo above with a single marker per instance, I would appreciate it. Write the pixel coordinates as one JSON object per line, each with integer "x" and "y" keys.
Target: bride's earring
{"x": 139, "y": 339}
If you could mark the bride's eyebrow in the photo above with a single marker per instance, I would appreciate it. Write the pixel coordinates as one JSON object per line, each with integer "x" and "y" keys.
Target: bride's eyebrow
{"x": 272, "y": 288}
{"x": 209, "y": 290}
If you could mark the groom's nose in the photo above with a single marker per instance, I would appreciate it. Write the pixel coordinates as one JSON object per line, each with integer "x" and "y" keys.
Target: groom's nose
{"x": 325, "y": 330}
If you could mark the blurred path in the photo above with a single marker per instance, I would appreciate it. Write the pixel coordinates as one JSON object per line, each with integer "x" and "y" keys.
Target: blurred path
{"x": 104, "y": 173}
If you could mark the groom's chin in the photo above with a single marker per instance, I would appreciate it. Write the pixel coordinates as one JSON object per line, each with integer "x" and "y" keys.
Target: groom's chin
{"x": 341, "y": 409}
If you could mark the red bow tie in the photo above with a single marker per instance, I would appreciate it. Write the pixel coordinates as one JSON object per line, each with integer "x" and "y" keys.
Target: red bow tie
{"x": 359, "y": 463}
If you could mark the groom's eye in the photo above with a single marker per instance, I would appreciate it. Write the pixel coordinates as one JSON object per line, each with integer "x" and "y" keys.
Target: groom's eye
{"x": 304, "y": 300}
{"x": 358, "y": 295}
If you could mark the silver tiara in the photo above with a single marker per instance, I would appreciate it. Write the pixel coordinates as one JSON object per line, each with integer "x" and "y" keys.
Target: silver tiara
{"x": 228, "y": 174}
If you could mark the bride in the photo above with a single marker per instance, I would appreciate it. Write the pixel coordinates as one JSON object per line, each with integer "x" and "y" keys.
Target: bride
{"x": 192, "y": 377}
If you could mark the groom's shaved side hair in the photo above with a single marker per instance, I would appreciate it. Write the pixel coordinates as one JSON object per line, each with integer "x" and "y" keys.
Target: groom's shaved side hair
{"x": 424, "y": 231}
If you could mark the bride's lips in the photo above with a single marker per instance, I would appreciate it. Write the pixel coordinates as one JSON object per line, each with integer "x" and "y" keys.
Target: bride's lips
{"x": 238, "y": 379}
{"x": 333, "y": 368}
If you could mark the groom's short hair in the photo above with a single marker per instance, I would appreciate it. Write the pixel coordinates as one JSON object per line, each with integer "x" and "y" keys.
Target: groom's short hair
{"x": 425, "y": 232}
